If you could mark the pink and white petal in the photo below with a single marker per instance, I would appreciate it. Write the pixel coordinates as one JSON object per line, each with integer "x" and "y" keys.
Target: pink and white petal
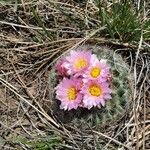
{"x": 94, "y": 60}
{"x": 107, "y": 96}
{"x": 102, "y": 101}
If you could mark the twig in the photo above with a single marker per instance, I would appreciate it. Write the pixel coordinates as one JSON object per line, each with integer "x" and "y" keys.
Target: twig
{"x": 112, "y": 139}
{"x": 26, "y": 101}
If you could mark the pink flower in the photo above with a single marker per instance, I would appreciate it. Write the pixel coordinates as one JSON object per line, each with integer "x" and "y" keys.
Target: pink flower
{"x": 95, "y": 93}
{"x": 60, "y": 68}
{"x": 68, "y": 92}
{"x": 77, "y": 62}
{"x": 98, "y": 70}
{"x": 88, "y": 81}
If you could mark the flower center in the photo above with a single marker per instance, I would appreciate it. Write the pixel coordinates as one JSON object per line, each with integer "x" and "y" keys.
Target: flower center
{"x": 95, "y": 90}
{"x": 95, "y": 72}
{"x": 72, "y": 93}
{"x": 80, "y": 63}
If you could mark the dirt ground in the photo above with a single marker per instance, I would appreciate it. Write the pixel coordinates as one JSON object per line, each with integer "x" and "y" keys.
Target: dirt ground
{"x": 33, "y": 35}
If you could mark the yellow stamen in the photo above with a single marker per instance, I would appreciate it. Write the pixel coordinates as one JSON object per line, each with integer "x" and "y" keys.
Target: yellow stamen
{"x": 80, "y": 63}
{"x": 95, "y": 72}
{"x": 95, "y": 90}
{"x": 72, "y": 93}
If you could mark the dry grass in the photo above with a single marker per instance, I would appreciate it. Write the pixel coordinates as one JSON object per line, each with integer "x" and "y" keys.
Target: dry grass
{"x": 33, "y": 35}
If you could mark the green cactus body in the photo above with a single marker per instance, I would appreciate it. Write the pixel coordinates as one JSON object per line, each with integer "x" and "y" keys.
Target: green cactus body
{"x": 121, "y": 86}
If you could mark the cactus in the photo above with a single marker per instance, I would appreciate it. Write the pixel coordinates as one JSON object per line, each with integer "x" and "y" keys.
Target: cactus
{"x": 121, "y": 95}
